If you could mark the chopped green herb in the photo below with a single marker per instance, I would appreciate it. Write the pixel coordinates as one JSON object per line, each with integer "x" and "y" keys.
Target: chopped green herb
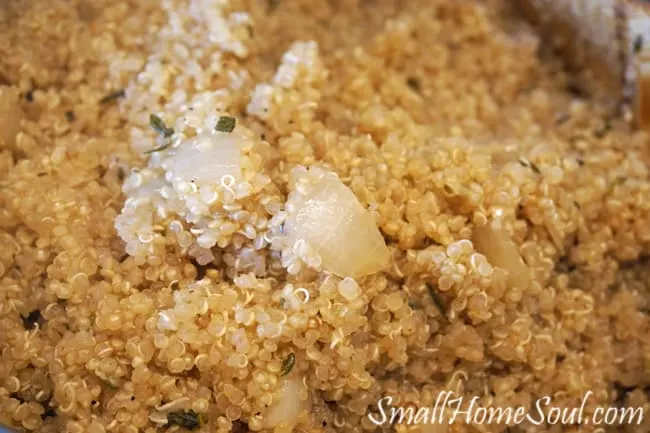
{"x": 69, "y": 115}
{"x": 157, "y": 149}
{"x": 159, "y": 126}
{"x": 188, "y": 420}
{"x": 638, "y": 44}
{"x": 113, "y": 96}
{"x": 287, "y": 364}
{"x": 111, "y": 385}
{"x": 437, "y": 299}
{"x": 226, "y": 124}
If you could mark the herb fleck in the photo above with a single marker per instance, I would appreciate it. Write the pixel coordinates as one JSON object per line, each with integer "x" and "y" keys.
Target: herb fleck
{"x": 113, "y": 96}
{"x": 70, "y": 116}
{"x": 30, "y": 96}
{"x": 287, "y": 364}
{"x": 159, "y": 126}
{"x": 157, "y": 149}
{"x": 188, "y": 420}
{"x": 226, "y": 124}
{"x": 638, "y": 44}
{"x": 437, "y": 299}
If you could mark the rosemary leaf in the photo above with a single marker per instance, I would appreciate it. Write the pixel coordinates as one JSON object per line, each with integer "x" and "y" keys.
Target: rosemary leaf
{"x": 157, "y": 149}
{"x": 226, "y": 124}
{"x": 159, "y": 126}
{"x": 287, "y": 364}
{"x": 112, "y": 96}
{"x": 638, "y": 44}
{"x": 188, "y": 420}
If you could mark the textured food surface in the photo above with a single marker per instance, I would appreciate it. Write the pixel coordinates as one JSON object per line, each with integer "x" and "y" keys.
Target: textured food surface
{"x": 232, "y": 216}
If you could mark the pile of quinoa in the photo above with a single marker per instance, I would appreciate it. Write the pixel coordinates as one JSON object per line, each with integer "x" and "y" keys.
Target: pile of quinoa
{"x": 413, "y": 198}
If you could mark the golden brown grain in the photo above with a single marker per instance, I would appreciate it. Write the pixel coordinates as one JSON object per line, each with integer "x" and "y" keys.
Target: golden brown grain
{"x": 202, "y": 313}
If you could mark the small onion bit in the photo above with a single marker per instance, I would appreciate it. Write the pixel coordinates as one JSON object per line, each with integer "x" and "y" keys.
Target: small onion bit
{"x": 327, "y": 216}
{"x": 208, "y": 159}
{"x": 496, "y": 245}
{"x": 289, "y": 402}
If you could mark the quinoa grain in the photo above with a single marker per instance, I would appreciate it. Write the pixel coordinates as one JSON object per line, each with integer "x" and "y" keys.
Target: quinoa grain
{"x": 391, "y": 215}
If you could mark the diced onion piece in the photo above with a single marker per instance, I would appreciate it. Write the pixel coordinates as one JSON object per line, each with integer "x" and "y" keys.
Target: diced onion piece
{"x": 288, "y": 403}
{"x": 10, "y": 116}
{"x": 206, "y": 159}
{"x": 330, "y": 218}
{"x": 501, "y": 251}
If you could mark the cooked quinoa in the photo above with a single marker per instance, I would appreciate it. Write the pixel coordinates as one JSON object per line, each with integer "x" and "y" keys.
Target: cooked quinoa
{"x": 232, "y": 216}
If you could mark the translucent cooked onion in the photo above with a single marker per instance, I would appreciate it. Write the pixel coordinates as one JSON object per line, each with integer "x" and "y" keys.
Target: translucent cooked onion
{"x": 501, "y": 251}
{"x": 10, "y": 116}
{"x": 326, "y": 214}
{"x": 288, "y": 403}
{"x": 206, "y": 159}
